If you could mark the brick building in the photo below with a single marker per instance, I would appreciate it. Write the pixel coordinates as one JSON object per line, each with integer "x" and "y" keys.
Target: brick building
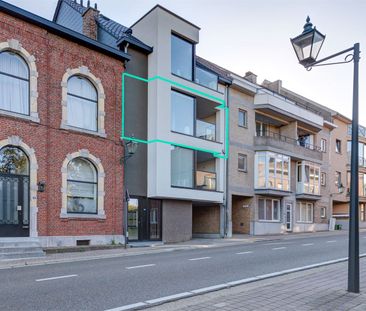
{"x": 61, "y": 178}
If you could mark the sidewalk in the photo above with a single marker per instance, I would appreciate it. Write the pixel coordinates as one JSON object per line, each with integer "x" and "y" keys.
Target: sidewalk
{"x": 134, "y": 250}
{"x": 318, "y": 289}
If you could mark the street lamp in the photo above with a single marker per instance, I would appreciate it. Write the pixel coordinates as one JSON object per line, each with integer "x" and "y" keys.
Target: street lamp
{"x": 307, "y": 46}
{"x": 129, "y": 148}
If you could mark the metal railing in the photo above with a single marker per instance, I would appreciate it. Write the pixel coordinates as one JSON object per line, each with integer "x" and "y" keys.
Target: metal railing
{"x": 361, "y": 160}
{"x": 289, "y": 140}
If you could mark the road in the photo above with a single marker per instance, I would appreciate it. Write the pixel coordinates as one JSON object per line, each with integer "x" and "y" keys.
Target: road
{"x": 115, "y": 282}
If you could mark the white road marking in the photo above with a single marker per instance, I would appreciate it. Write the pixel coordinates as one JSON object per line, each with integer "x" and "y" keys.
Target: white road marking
{"x": 278, "y": 248}
{"x": 200, "y": 258}
{"x": 308, "y": 244}
{"x": 332, "y": 241}
{"x": 57, "y": 277}
{"x": 242, "y": 253}
{"x": 141, "y": 266}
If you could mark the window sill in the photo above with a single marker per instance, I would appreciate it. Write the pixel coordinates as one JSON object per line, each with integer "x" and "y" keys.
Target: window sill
{"x": 305, "y": 222}
{"x": 82, "y": 216}
{"x": 270, "y": 221}
{"x": 33, "y": 118}
{"x": 84, "y": 131}
{"x": 242, "y": 171}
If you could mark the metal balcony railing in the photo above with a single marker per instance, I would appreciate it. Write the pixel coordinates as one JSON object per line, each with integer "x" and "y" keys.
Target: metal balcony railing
{"x": 289, "y": 140}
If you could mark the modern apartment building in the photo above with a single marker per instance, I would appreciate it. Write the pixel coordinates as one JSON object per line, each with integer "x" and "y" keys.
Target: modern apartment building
{"x": 184, "y": 173}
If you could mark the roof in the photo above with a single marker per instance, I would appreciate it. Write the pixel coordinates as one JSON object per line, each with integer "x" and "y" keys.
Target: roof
{"x": 61, "y": 31}
{"x": 119, "y": 32}
{"x": 223, "y": 73}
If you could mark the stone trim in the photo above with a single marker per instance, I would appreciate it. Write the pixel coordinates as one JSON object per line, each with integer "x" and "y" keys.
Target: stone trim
{"x": 33, "y": 188}
{"x": 84, "y": 72}
{"x": 83, "y": 153}
{"x": 16, "y": 47}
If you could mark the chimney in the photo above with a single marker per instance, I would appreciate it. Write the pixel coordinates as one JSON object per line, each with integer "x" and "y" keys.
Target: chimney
{"x": 250, "y": 76}
{"x": 275, "y": 86}
{"x": 90, "y": 27}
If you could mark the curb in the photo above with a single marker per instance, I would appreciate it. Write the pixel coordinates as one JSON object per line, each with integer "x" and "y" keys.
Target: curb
{"x": 162, "y": 300}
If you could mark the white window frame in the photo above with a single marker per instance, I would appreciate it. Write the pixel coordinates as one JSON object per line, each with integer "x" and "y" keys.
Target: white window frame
{"x": 323, "y": 179}
{"x": 305, "y": 187}
{"x": 245, "y": 159}
{"x": 272, "y": 210}
{"x": 268, "y": 155}
{"x": 245, "y": 125}
{"x": 300, "y": 213}
{"x": 323, "y": 212}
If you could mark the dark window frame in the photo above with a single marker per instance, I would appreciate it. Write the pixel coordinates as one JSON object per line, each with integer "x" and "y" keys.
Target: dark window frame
{"x": 338, "y": 142}
{"x": 193, "y": 56}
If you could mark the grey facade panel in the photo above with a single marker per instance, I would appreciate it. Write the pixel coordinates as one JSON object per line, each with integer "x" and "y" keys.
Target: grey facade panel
{"x": 136, "y": 123}
{"x": 106, "y": 38}
{"x": 70, "y": 18}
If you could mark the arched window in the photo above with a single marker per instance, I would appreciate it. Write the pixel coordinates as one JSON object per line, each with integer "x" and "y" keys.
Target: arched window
{"x": 82, "y": 103}
{"x": 81, "y": 187}
{"x": 13, "y": 161}
{"x": 14, "y": 83}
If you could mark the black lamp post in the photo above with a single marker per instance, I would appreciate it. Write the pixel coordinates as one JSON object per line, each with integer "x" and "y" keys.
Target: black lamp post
{"x": 307, "y": 46}
{"x": 129, "y": 148}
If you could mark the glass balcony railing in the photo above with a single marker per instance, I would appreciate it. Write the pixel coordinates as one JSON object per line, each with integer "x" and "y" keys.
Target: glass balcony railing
{"x": 205, "y": 130}
{"x": 205, "y": 180}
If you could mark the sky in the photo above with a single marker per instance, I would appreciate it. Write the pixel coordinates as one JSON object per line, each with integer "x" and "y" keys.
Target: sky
{"x": 254, "y": 35}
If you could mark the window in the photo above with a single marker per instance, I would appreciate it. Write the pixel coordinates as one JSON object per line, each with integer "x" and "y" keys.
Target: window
{"x": 362, "y": 212}
{"x": 182, "y": 167}
{"x": 261, "y": 129}
{"x": 206, "y": 78}
{"x": 182, "y": 57}
{"x": 323, "y": 212}
{"x": 338, "y": 146}
{"x": 242, "y": 162}
{"x": 81, "y": 187}
{"x": 272, "y": 171}
{"x": 338, "y": 179}
{"x": 182, "y": 113}
{"x": 323, "y": 145}
{"x": 193, "y": 169}
{"x": 82, "y": 103}
{"x": 305, "y": 212}
{"x": 14, "y": 83}
{"x": 308, "y": 178}
{"x": 323, "y": 179}
{"x": 268, "y": 209}
{"x": 243, "y": 118}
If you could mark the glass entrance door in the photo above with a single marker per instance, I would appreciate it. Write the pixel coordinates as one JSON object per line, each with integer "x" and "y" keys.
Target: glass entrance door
{"x": 14, "y": 193}
{"x": 144, "y": 219}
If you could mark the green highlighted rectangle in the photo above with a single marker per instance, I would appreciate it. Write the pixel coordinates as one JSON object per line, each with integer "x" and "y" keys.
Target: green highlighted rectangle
{"x": 222, "y": 105}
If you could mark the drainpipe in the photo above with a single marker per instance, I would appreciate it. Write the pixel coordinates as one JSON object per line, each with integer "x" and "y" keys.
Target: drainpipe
{"x": 226, "y": 192}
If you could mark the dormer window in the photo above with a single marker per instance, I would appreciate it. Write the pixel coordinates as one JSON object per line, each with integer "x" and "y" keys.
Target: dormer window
{"x": 182, "y": 57}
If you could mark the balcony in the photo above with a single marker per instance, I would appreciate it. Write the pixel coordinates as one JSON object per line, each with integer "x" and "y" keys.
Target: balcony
{"x": 293, "y": 147}
{"x": 205, "y": 130}
{"x": 205, "y": 180}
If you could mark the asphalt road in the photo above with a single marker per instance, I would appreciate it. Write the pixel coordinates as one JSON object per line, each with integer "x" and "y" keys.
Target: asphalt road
{"x": 111, "y": 283}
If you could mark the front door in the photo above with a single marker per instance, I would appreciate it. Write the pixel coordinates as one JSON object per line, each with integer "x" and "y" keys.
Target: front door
{"x": 288, "y": 216}
{"x": 14, "y": 193}
{"x": 144, "y": 219}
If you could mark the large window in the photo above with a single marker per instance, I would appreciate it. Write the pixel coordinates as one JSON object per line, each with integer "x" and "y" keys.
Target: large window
{"x": 305, "y": 212}
{"x": 193, "y": 169}
{"x": 272, "y": 171}
{"x": 193, "y": 117}
{"x": 14, "y": 83}
{"x": 182, "y": 167}
{"x": 206, "y": 78}
{"x": 81, "y": 187}
{"x": 308, "y": 178}
{"x": 182, "y": 57}
{"x": 182, "y": 113}
{"x": 269, "y": 209}
{"x": 82, "y": 103}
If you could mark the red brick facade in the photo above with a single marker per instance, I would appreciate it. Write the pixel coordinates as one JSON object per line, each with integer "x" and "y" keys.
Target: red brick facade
{"x": 53, "y": 56}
